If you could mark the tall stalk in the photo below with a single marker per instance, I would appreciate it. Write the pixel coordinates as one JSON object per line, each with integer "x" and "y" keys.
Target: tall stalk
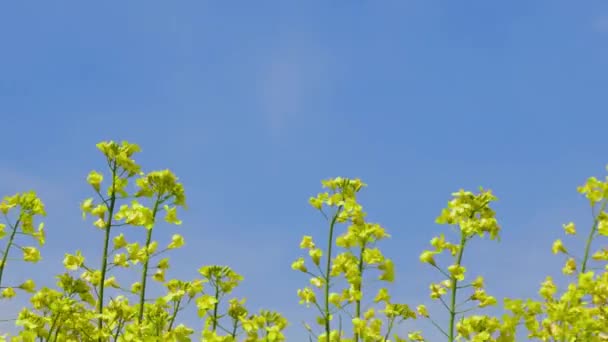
{"x": 144, "y": 274}
{"x": 8, "y": 247}
{"x": 328, "y": 270}
{"x": 216, "y": 307}
{"x": 590, "y": 237}
{"x": 359, "y": 288}
{"x": 106, "y": 243}
{"x": 454, "y": 283}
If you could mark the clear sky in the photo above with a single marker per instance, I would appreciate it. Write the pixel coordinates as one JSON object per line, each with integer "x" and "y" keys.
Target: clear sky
{"x": 252, "y": 103}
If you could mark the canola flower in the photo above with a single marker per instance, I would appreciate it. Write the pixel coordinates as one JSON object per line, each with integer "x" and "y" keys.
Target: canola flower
{"x": 97, "y": 304}
{"x": 92, "y": 304}
{"x": 359, "y": 254}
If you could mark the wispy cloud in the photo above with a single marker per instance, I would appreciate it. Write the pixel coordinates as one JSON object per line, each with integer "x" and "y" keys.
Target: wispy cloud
{"x": 290, "y": 79}
{"x": 600, "y": 23}
{"x": 13, "y": 181}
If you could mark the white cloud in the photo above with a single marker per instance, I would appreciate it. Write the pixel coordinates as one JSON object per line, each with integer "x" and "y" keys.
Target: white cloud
{"x": 600, "y": 23}
{"x": 289, "y": 81}
{"x": 282, "y": 92}
{"x": 13, "y": 181}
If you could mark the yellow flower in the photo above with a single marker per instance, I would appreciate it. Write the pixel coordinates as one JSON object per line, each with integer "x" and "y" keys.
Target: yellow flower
{"x": 307, "y": 242}
{"x": 307, "y": 296}
{"x": 382, "y": 296}
{"x": 547, "y": 289}
{"x": 136, "y": 287}
{"x": 28, "y": 286}
{"x": 111, "y": 282}
{"x": 73, "y": 262}
{"x": 120, "y": 259}
{"x": 163, "y": 264}
{"x": 298, "y": 265}
{"x": 437, "y": 291}
{"x": 315, "y": 255}
{"x": 422, "y": 311}
{"x": 120, "y": 241}
{"x": 389, "y": 270}
{"x": 457, "y": 271}
{"x": 602, "y": 225}
{"x": 159, "y": 275}
{"x": 415, "y": 336}
{"x": 478, "y": 282}
{"x": 177, "y": 241}
{"x": 152, "y": 247}
{"x": 31, "y": 254}
{"x": 100, "y": 223}
{"x": 204, "y": 303}
{"x": 86, "y": 207}
{"x": 316, "y": 202}
{"x": 94, "y": 277}
{"x": 487, "y": 301}
{"x": 334, "y": 298}
{"x": 5, "y": 206}
{"x": 558, "y": 247}
{"x": 171, "y": 216}
{"x": 601, "y": 254}
{"x": 317, "y": 282}
{"x": 40, "y": 236}
{"x": 570, "y": 266}
{"x": 95, "y": 178}
{"x": 428, "y": 257}
{"x": 8, "y": 292}
{"x": 570, "y": 228}
{"x": 99, "y": 210}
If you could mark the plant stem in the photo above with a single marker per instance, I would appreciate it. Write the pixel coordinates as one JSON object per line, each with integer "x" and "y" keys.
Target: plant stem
{"x": 390, "y": 327}
{"x": 175, "y": 311}
{"x": 587, "y": 250}
{"x": 590, "y": 238}
{"x": 8, "y": 247}
{"x": 215, "y": 307}
{"x": 235, "y": 325}
{"x": 359, "y": 288}
{"x": 106, "y": 242}
{"x": 463, "y": 241}
{"x": 53, "y": 326}
{"x": 328, "y": 270}
{"x": 118, "y": 329}
{"x": 144, "y": 274}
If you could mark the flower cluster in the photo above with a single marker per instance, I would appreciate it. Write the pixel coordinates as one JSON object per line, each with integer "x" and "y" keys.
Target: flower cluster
{"x": 19, "y": 212}
{"x": 358, "y": 255}
{"x": 473, "y": 216}
{"x": 91, "y": 304}
{"x": 580, "y": 312}
{"x": 92, "y": 300}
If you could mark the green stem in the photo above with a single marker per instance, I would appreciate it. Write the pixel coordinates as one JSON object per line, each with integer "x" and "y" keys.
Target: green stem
{"x": 106, "y": 242}
{"x": 118, "y": 329}
{"x": 215, "y": 307}
{"x": 53, "y": 327}
{"x": 144, "y": 274}
{"x": 391, "y": 321}
{"x": 8, "y": 247}
{"x": 328, "y": 270}
{"x": 463, "y": 241}
{"x": 56, "y": 335}
{"x": 590, "y": 238}
{"x": 235, "y": 325}
{"x": 359, "y": 287}
{"x": 175, "y": 311}
{"x": 587, "y": 250}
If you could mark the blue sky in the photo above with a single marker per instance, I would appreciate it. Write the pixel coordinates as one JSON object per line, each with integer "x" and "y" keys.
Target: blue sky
{"x": 251, "y": 104}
